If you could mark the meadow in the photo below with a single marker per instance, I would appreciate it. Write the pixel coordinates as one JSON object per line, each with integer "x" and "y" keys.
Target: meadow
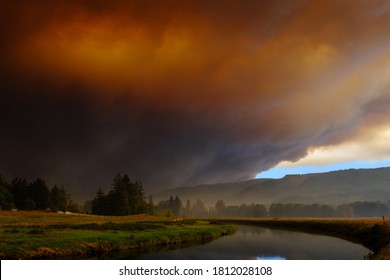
{"x": 41, "y": 235}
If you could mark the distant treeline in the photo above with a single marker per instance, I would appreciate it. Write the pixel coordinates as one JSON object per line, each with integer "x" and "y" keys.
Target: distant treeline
{"x": 198, "y": 209}
{"x": 128, "y": 198}
{"x": 24, "y": 195}
{"x": 355, "y": 209}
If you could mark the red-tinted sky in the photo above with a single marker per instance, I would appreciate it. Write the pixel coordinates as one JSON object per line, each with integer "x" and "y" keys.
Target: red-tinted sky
{"x": 186, "y": 92}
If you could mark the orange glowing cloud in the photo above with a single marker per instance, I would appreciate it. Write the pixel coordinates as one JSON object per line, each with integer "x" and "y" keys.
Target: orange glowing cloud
{"x": 199, "y": 91}
{"x": 117, "y": 50}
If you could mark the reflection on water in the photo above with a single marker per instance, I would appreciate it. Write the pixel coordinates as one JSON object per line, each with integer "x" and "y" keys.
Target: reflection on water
{"x": 250, "y": 242}
{"x": 270, "y": 258}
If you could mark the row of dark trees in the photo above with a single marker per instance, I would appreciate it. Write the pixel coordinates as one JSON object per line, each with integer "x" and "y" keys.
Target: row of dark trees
{"x": 301, "y": 210}
{"x": 125, "y": 198}
{"x": 128, "y": 198}
{"x": 35, "y": 195}
{"x": 355, "y": 209}
{"x": 174, "y": 206}
{"x": 253, "y": 210}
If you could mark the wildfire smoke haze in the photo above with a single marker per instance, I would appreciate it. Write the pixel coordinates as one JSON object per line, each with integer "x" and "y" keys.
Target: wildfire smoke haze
{"x": 186, "y": 92}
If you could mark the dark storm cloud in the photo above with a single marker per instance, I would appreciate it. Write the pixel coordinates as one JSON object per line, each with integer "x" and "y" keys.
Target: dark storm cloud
{"x": 183, "y": 93}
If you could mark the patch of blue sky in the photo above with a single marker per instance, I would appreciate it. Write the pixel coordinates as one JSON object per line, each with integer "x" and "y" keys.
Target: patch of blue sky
{"x": 270, "y": 258}
{"x": 280, "y": 172}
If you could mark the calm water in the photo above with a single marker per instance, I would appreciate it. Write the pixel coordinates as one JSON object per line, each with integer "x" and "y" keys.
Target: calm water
{"x": 250, "y": 242}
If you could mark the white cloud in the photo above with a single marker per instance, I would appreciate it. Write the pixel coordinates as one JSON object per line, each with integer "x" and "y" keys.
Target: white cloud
{"x": 373, "y": 146}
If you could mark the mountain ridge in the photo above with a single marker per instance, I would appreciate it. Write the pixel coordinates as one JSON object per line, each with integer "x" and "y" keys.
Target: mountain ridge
{"x": 334, "y": 187}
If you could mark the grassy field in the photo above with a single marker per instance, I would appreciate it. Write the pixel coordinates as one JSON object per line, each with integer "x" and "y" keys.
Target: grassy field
{"x": 37, "y": 235}
{"x": 372, "y": 233}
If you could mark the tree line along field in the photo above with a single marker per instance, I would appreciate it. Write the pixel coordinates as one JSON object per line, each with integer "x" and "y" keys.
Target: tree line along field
{"x": 127, "y": 197}
{"x": 36, "y": 195}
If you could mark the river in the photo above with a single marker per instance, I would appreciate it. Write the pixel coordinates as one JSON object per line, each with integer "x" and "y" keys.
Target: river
{"x": 253, "y": 242}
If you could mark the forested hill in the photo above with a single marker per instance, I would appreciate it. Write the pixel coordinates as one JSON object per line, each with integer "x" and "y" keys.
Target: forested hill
{"x": 334, "y": 187}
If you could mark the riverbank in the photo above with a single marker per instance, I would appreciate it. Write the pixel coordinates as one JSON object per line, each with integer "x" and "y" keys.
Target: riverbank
{"x": 372, "y": 233}
{"x": 41, "y": 235}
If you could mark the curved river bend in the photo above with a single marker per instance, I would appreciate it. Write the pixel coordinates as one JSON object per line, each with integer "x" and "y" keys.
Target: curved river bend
{"x": 253, "y": 242}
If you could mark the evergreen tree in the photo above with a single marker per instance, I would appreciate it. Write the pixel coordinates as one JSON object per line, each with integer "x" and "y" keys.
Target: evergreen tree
{"x": 55, "y": 198}
{"x": 136, "y": 198}
{"x": 40, "y": 194}
{"x": 19, "y": 192}
{"x": 176, "y": 207}
{"x": 6, "y": 198}
{"x": 126, "y": 198}
{"x": 98, "y": 203}
{"x": 187, "y": 209}
{"x": 65, "y": 200}
{"x": 121, "y": 195}
{"x": 199, "y": 209}
{"x": 150, "y": 206}
{"x": 220, "y": 208}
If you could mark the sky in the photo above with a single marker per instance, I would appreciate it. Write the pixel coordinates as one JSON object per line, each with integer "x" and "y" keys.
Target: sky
{"x": 350, "y": 154}
{"x": 178, "y": 93}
